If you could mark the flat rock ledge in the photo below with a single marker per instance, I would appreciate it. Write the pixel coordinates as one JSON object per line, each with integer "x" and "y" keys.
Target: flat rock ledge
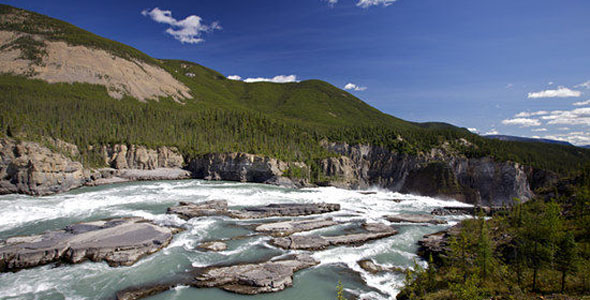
{"x": 318, "y": 242}
{"x": 414, "y": 218}
{"x": 219, "y": 207}
{"x": 289, "y": 227}
{"x": 214, "y": 246}
{"x": 119, "y": 242}
{"x": 251, "y": 279}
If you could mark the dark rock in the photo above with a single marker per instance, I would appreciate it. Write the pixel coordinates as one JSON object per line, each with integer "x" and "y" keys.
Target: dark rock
{"x": 449, "y": 210}
{"x": 437, "y": 244}
{"x": 119, "y": 242}
{"x": 317, "y": 242}
{"x": 414, "y": 218}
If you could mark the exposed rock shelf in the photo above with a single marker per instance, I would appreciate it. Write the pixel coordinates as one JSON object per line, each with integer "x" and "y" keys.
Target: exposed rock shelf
{"x": 289, "y": 227}
{"x": 318, "y": 242}
{"x": 219, "y": 207}
{"x": 437, "y": 244}
{"x": 119, "y": 242}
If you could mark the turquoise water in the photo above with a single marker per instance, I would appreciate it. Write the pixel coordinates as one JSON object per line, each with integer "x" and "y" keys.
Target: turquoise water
{"x": 23, "y": 215}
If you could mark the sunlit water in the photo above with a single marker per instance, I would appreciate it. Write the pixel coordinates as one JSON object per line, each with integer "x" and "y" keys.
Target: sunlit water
{"x": 23, "y": 215}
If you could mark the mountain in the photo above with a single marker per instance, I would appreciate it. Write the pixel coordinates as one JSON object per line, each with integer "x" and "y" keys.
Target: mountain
{"x": 120, "y": 107}
{"x": 525, "y": 139}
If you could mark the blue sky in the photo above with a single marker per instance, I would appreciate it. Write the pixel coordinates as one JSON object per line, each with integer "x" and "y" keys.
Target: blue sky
{"x": 512, "y": 67}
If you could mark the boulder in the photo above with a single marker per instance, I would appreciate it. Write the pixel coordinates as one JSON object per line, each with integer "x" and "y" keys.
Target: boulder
{"x": 214, "y": 246}
{"x": 119, "y": 242}
{"x": 414, "y": 218}
{"x": 251, "y": 279}
{"x": 373, "y": 268}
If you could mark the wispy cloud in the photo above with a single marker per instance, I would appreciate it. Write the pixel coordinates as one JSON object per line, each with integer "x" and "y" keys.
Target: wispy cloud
{"x": 581, "y": 103}
{"x": 353, "y": 87}
{"x": 367, "y": 3}
{"x": 578, "y": 116}
{"x": 276, "y": 79}
{"x": 493, "y": 131}
{"x": 522, "y": 122}
{"x": 526, "y": 114}
{"x": 583, "y": 85}
{"x": 560, "y": 92}
{"x": 187, "y": 30}
{"x": 473, "y": 130}
{"x": 539, "y": 129}
{"x": 577, "y": 137}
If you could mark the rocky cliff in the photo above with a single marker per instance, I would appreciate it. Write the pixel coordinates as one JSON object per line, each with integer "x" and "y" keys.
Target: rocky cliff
{"x": 30, "y": 168}
{"x": 51, "y": 167}
{"x": 439, "y": 174}
{"x": 27, "y": 167}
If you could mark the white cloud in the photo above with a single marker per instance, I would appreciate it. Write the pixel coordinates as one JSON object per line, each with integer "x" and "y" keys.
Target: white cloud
{"x": 584, "y": 85}
{"x": 563, "y": 128}
{"x": 551, "y": 83}
{"x": 560, "y": 92}
{"x": 492, "y": 132}
{"x": 525, "y": 114}
{"x": 577, "y": 138}
{"x": 522, "y": 122}
{"x": 582, "y": 103}
{"x": 578, "y": 116}
{"x": 234, "y": 77}
{"x": 369, "y": 3}
{"x": 188, "y": 30}
{"x": 539, "y": 129}
{"x": 276, "y": 79}
{"x": 474, "y": 130}
{"x": 354, "y": 87}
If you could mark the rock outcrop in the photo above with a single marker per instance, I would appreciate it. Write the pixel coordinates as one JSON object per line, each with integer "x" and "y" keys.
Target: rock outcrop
{"x": 119, "y": 242}
{"x": 451, "y": 210}
{"x": 318, "y": 242}
{"x": 242, "y": 167}
{"x": 34, "y": 169}
{"x": 251, "y": 279}
{"x": 219, "y": 207}
{"x": 373, "y": 268}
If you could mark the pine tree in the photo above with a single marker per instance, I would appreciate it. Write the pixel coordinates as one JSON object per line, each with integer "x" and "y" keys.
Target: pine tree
{"x": 485, "y": 252}
{"x": 566, "y": 257}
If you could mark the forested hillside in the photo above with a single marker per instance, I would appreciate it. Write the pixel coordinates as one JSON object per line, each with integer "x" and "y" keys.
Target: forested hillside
{"x": 285, "y": 121}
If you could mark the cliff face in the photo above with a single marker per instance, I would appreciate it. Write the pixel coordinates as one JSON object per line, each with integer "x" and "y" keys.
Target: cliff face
{"x": 140, "y": 157}
{"x": 438, "y": 174}
{"x": 239, "y": 167}
{"x": 29, "y": 168}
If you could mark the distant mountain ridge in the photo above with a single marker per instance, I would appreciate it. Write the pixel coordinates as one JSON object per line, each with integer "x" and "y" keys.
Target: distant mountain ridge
{"x": 527, "y": 139}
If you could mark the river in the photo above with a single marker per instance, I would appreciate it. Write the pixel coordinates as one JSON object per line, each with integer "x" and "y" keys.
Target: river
{"x": 24, "y": 215}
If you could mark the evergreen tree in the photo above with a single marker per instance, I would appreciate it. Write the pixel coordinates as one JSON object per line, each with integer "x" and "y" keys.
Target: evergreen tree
{"x": 566, "y": 257}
